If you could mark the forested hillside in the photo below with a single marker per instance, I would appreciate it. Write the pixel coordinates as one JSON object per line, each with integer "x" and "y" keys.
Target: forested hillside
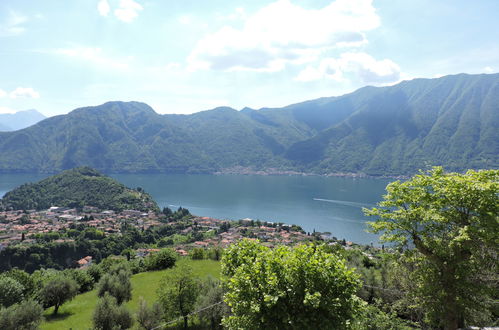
{"x": 77, "y": 188}
{"x": 450, "y": 121}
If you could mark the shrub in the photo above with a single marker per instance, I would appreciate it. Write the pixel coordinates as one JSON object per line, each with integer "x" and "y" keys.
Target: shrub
{"x": 163, "y": 259}
{"x": 23, "y": 316}
{"x": 11, "y": 291}
{"x": 108, "y": 315}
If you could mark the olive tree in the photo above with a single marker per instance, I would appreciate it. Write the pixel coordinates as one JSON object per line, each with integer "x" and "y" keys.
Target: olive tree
{"x": 57, "y": 291}
{"x": 288, "y": 288}
{"x": 108, "y": 315}
{"x": 117, "y": 285}
{"x": 447, "y": 225}
{"x": 26, "y": 315}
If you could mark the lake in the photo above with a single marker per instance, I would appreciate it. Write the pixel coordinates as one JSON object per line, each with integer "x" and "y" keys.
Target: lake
{"x": 332, "y": 204}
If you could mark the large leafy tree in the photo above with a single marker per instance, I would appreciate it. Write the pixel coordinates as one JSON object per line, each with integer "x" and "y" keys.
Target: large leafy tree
{"x": 447, "y": 225}
{"x": 288, "y": 288}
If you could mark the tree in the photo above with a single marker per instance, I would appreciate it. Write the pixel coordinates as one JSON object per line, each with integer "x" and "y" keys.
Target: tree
{"x": 163, "y": 259}
{"x": 109, "y": 315}
{"x": 149, "y": 317}
{"x": 211, "y": 304}
{"x": 24, "y": 279}
{"x": 288, "y": 288}
{"x": 178, "y": 293}
{"x": 57, "y": 291}
{"x": 447, "y": 224}
{"x": 11, "y": 291}
{"x": 24, "y": 316}
{"x": 117, "y": 285}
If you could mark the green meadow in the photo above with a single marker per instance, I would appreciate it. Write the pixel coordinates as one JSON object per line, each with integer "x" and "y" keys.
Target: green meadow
{"x": 77, "y": 313}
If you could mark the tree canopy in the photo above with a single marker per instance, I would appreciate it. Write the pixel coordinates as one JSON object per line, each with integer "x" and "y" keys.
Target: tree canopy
{"x": 288, "y": 288}
{"x": 447, "y": 225}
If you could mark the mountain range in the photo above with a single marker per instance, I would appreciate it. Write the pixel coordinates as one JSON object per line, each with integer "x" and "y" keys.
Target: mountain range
{"x": 19, "y": 120}
{"x": 451, "y": 121}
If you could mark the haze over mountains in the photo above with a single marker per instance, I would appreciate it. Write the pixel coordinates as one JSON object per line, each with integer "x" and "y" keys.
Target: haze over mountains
{"x": 450, "y": 121}
{"x": 19, "y": 120}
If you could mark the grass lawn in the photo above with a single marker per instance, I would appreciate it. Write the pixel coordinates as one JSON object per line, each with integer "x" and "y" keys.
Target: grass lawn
{"x": 77, "y": 314}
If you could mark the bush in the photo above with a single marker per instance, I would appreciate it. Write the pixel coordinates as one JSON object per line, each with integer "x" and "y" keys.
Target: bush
{"x": 149, "y": 318}
{"x": 116, "y": 285}
{"x": 23, "y": 316}
{"x": 24, "y": 279}
{"x": 11, "y": 291}
{"x": 197, "y": 254}
{"x": 163, "y": 259}
{"x": 108, "y": 315}
{"x": 82, "y": 278}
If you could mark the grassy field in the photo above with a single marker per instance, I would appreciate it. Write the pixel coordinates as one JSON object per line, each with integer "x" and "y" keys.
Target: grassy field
{"x": 77, "y": 314}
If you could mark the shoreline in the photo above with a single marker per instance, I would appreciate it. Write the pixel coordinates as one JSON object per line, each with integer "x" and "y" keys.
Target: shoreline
{"x": 239, "y": 170}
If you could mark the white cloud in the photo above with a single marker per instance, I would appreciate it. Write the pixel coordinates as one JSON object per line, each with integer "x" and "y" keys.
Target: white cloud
{"x": 488, "y": 69}
{"x": 283, "y": 33}
{"x": 24, "y": 92}
{"x": 2, "y": 93}
{"x": 7, "y": 110}
{"x": 103, "y": 7}
{"x": 13, "y": 25}
{"x": 128, "y": 10}
{"x": 96, "y": 56}
{"x": 360, "y": 65}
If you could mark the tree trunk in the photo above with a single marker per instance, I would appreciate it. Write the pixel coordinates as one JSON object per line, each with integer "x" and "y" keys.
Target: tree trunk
{"x": 452, "y": 315}
{"x": 56, "y": 308}
{"x": 185, "y": 322}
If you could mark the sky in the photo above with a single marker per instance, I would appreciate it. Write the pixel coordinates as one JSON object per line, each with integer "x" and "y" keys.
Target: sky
{"x": 185, "y": 56}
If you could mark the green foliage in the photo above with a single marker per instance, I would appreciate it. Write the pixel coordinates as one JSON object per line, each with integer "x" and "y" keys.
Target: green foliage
{"x": 24, "y": 316}
{"x": 373, "y": 318}
{"x": 165, "y": 258}
{"x": 117, "y": 285}
{"x": 449, "y": 222}
{"x": 82, "y": 278}
{"x": 288, "y": 288}
{"x": 22, "y": 278}
{"x": 77, "y": 188}
{"x": 148, "y": 317}
{"x": 109, "y": 315}
{"x": 178, "y": 293}
{"x": 210, "y": 303}
{"x": 57, "y": 291}
{"x": 11, "y": 291}
{"x": 197, "y": 253}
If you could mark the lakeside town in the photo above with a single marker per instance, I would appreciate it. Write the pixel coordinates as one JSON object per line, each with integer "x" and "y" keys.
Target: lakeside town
{"x": 23, "y": 227}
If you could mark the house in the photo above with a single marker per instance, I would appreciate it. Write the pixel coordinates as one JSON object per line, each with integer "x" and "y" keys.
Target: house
{"x": 84, "y": 262}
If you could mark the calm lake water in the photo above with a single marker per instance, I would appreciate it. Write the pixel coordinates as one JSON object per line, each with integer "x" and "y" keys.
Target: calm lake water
{"x": 330, "y": 204}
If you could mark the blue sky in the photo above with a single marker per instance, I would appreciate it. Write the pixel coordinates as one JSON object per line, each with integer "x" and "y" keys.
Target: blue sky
{"x": 184, "y": 56}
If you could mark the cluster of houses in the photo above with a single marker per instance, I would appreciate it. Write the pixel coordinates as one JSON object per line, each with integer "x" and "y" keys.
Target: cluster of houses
{"x": 16, "y": 226}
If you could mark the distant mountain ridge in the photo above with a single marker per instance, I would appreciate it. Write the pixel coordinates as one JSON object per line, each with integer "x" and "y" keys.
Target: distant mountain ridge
{"x": 19, "y": 120}
{"x": 450, "y": 121}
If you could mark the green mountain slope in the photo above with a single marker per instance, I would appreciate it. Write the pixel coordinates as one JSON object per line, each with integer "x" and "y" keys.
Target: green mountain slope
{"x": 77, "y": 188}
{"x": 450, "y": 121}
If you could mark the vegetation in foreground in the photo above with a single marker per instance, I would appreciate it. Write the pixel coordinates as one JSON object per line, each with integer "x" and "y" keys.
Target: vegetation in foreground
{"x": 439, "y": 273}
